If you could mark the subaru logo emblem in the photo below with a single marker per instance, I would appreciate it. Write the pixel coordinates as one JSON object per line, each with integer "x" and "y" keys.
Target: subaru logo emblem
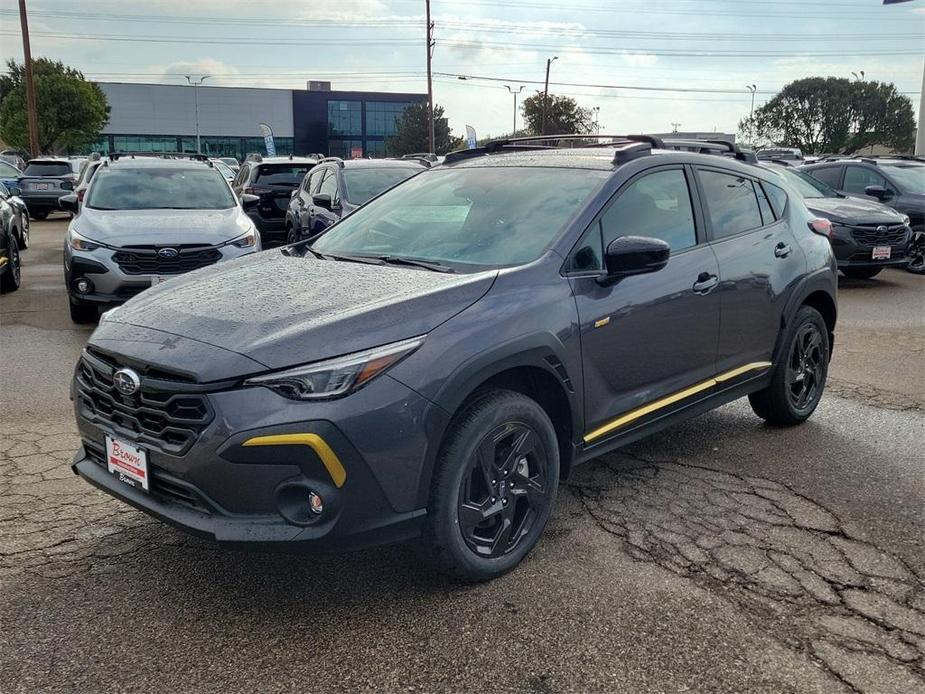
{"x": 881, "y": 229}
{"x": 126, "y": 381}
{"x": 168, "y": 253}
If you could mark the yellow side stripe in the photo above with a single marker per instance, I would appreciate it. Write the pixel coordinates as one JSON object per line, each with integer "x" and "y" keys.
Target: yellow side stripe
{"x": 633, "y": 415}
{"x": 328, "y": 457}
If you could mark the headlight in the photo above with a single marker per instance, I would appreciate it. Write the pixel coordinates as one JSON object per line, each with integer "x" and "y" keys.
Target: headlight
{"x": 79, "y": 243}
{"x": 333, "y": 378}
{"x": 247, "y": 240}
{"x": 906, "y": 220}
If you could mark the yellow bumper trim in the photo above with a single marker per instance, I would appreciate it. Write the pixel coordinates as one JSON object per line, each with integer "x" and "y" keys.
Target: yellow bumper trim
{"x": 633, "y": 415}
{"x": 328, "y": 457}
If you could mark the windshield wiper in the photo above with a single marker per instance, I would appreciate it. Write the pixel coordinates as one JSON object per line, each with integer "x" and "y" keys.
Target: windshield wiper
{"x": 399, "y": 260}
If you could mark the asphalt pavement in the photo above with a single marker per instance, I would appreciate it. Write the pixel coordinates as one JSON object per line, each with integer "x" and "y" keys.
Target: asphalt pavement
{"x": 720, "y": 555}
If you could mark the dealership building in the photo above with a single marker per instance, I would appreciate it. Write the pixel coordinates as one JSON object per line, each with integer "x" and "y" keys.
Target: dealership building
{"x": 162, "y": 118}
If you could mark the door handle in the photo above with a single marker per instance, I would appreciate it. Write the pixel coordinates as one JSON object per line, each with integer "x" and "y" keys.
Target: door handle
{"x": 705, "y": 283}
{"x": 781, "y": 250}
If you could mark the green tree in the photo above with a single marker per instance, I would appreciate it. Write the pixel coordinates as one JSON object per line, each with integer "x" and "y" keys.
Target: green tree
{"x": 411, "y": 134}
{"x": 71, "y": 110}
{"x": 830, "y": 114}
{"x": 563, "y": 116}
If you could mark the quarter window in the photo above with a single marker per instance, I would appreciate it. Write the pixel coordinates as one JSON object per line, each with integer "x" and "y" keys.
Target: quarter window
{"x": 778, "y": 197}
{"x": 732, "y": 202}
{"x": 767, "y": 215}
{"x": 658, "y": 205}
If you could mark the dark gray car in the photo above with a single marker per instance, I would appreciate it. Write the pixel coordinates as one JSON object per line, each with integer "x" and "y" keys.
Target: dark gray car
{"x": 437, "y": 361}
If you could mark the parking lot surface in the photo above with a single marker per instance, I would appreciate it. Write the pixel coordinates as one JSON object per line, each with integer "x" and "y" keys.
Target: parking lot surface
{"x": 720, "y": 555}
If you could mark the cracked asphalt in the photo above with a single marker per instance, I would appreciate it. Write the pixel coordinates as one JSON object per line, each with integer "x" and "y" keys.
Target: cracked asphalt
{"x": 720, "y": 555}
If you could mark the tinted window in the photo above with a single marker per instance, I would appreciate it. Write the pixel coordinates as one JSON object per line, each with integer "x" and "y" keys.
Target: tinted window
{"x": 588, "y": 254}
{"x": 857, "y": 178}
{"x": 311, "y": 182}
{"x": 48, "y": 168}
{"x": 732, "y": 203}
{"x": 281, "y": 174}
{"x": 483, "y": 217}
{"x": 767, "y": 215}
{"x": 361, "y": 185}
{"x": 657, "y": 205}
{"x": 827, "y": 174}
{"x": 329, "y": 185}
{"x": 164, "y": 189}
{"x": 778, "y": 198}
{"x": 805, "y": 185}
{"x": 8, "y": 170}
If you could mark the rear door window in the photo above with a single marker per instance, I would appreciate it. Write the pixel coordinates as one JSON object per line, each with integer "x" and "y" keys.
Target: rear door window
{"x": 830, "y": 175}
{"x": 857, "y": 178}
{"x": 732, "y": 203}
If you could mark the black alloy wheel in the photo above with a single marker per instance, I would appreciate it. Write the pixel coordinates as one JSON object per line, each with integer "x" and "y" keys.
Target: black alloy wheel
{"x": 504, "y": 490}
{"x": 917, "y": 253}
{"x": 806, "y": 367}
{"x": 12, "y": 273}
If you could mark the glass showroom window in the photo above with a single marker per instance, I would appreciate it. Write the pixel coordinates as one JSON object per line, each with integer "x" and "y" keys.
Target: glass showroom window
{"x": 345, "y": 118}
{"x": 381, "y": 117}
{"x": 144, "y": 143}
{"x": 344, "y": 148}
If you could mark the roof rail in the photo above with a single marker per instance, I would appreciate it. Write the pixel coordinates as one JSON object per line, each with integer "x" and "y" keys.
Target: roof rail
{"x": 704, "y": 147}
{"x": 422, "y": 160}
{"x": 628, "y": 146}
{"x": 254, "y": 156}
{"x": 114, "y": 156}
{"x": 427, "y": 156}
{"x": 336, "y": 160}
{"x": 903, "y": 157}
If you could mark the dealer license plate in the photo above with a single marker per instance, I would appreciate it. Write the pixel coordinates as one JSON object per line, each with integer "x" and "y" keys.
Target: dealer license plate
{"x": 881, "y": 253}
{"x": 127, "y": 462}
{"x": 40, "y": 186}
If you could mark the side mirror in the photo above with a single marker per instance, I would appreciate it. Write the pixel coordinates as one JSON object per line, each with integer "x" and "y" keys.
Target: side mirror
{"x": 878, "y": 192}
{"x": 69, "y": 203}
{"x": 248, "y": 201}
{"x": 15, "y": 191}
{"x": 322, "y": 200}
{"x": 634, "y": 255}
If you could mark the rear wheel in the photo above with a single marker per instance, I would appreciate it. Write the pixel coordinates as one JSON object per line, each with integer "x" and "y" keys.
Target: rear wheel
{"x": 494, "y": 487}
{"x": 861, "y": 273}
{"x": 799, "y": 378}
{"x": 83, "y": 312}
{"x": 12, "y": 273}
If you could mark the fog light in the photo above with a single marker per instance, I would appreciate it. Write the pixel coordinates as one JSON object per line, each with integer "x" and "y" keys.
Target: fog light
{"x": 83, "y": 285}
{"x": 315, "y": 503}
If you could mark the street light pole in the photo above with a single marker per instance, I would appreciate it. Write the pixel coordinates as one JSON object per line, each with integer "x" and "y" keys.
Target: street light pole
{"x": 752, "y": 88}
{"x": 196, "y": 93}
{"x": 31, "y": 111}
{"x": 430, "y": 84}
{"x": 546, "y": 92}
{"x": 511, "y": 90}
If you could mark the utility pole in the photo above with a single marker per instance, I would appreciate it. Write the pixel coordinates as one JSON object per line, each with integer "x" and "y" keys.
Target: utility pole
{"x": 430, "y": 83}
{"x": 32, "y": 112}
{"x": 511, "y": 90}
{"x": 196, "y": 92}
{"x": 752, "y": 88}
{"x": 546, "y": 92}
{"x": 597, "y": 120}
{"x": 920, "y": 130}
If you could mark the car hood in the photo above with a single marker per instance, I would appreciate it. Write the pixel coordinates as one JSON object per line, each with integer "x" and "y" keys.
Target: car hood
{"x": 853, "y": 210}
{"x": 282, "y": 310}
{"x": 160, "y": 227}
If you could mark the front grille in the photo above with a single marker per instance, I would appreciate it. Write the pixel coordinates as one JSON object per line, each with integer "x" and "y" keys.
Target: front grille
{"x": 160, "y": 415}
{"x": 879, "y": 234}
{"x": 147, "y": 260}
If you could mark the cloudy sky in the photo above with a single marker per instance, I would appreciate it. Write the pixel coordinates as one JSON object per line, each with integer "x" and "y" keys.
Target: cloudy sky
{"x": 646, "y": 64}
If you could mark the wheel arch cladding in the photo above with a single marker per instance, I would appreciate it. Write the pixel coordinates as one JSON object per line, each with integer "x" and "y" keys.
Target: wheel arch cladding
{"x": 825, "y": 305}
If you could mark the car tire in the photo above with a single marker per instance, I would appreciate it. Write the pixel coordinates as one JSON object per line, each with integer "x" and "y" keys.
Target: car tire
{"x": 798, "y": 379}
{"x": 12, "y": 273}
{"x": 494, "y": 487}
{"x": 917, "y": 253}
{"x": 290, "y": 235}
{"x": 83, "y": 312}
{"x": 38, "y": 215}
{"x": 861, "y": 273}
{"x": 24, "y": 233}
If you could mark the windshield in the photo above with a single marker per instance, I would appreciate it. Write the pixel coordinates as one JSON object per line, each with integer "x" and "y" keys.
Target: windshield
{"x": 486, "y": 217}
{"x": 282, "y": 174}
{"x": 807, "y": 186}
{"x": 47, "y": 168}
{"x": 160, "y": 189}
{"x": 364, "y": 184}
{"x": 911, "y": 178}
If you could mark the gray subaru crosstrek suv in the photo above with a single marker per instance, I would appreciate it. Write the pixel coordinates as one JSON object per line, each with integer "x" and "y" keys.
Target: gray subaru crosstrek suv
{"x": 435, "y": 363}
{"x": 145, "y": 220}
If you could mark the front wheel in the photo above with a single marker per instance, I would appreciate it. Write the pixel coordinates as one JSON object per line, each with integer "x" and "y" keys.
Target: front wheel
{"x": 917, "y": 253}
{"x": 861, "y": 273}
{"x": 799, "y": 378}
{"x": 12, "y": 273}
{"x": 494, "y": 486}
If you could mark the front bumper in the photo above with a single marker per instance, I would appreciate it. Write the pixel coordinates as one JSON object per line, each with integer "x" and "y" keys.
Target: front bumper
{"x": 850, "y": 253}
{"x": 111, "y": 285}
{"x": 256, "y": 495}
